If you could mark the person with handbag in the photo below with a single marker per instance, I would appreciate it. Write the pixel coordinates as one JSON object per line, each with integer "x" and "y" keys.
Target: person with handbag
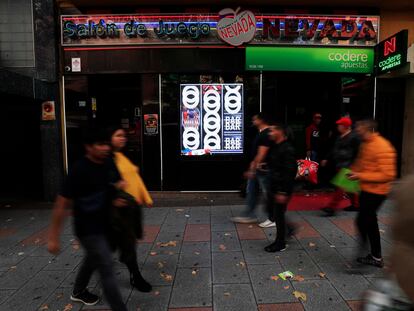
{"x": 343, "y": 154}
{"x": 90, "y": 190}
{"x": 126, "y": 222}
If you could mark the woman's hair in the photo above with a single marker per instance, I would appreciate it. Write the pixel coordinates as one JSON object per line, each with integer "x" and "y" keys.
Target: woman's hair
{"x": 111, "y": 130}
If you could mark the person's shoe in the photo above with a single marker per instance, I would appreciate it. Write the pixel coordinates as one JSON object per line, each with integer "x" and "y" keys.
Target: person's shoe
{"x": 291, "y": 230}
{"x": 351, "y": 208}
{"x": 138, "y": 282}
{"x": 244, "y": 220}
{"x": 86, "y": 298}
{"x": 275, "y": 247}
{"x": 328, "y": 211}
{"x": 267, "y": 224}
{"x": 371, "y": 261}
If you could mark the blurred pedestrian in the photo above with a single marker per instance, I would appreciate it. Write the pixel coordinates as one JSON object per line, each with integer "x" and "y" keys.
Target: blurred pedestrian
{"x": 127, "y": 224}
{"x": 375, "y": 168}
{"x": 283, "y": 172}
{"x": 258, "y": 174}
{"x": 402, "y": 263}
{"x": 343, "y": 154}
{"x": 90, "y": 189}
{"x": 313, "y": 138}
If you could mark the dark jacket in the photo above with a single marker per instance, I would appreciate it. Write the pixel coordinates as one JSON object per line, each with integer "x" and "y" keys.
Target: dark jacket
{"x": 283, "y": 167}
{"x": 345, "y": 150}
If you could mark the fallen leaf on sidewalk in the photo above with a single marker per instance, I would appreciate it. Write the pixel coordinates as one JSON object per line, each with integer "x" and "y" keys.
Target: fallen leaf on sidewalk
{"x": 332, "y": 246}
{"x": 227, "y": 234}
{"x": 179, "y": 210}
{"x": 170, "y": 253}
{"x": 197, "y": 253}
{"x": 286, "y": 275}
{"x": 227, "y": 294}
{"x": 13, "y": 267}
{"x": 286, "y": 287}
{"x": 322, "y": 275}
{"x": 37, "y": 241}
{"x": 59, "y": 295}
{"x": 166, "y": 277}
{"x": 300, "y": 295}
{"x": 222, "y": 247}
{"x": 20, "y": 254}
{"x": 194, "y": 272}
{"x": 250, "y": 226}
{"x": 68, "y": 307}
{"x": 382, "y": 231}
{"x": 312, "y": 244}
{"x": 167, "y": 244}
{"x": 156, "y": 293}
{"x": 44, "y": 307}
{"x": 160, "y": 265}
{"x": 242, "y": 264}
{"x": 153, "y": 253}
{"x": 298, "y": 278}
{"x": 274, "y": 278}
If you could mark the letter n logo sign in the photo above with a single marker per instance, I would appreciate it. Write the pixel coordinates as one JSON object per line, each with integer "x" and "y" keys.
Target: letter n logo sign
{"x": 389, "y": 46}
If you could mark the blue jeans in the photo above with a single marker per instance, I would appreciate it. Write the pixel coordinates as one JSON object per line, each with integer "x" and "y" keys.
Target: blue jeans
{"x": 263, "y": 182}
{"x": 99, "y": 257}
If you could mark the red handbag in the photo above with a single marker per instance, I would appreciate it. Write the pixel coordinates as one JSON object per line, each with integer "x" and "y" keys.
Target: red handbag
{"x": 307, "y": 170}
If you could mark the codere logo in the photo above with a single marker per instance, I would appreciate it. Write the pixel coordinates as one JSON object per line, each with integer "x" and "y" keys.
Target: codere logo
{"x": 349, "y": 59}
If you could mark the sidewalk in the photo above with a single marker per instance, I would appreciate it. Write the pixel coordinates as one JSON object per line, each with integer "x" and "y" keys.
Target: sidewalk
{"x": 196, "y": 260}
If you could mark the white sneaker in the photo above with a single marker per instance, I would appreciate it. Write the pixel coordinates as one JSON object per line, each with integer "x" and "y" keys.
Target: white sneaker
{"x": 244, "y": 220}
{"x": 267, "y": 224}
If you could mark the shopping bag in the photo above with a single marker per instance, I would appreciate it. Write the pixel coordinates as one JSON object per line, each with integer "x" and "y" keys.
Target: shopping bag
{"x": 342, "y": 181}
{"x": 307, "y": 170}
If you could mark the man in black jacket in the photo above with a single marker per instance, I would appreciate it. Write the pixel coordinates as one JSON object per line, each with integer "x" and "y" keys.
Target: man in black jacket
{"x": 283, "y": 168}
{"x": 343, "y": 154}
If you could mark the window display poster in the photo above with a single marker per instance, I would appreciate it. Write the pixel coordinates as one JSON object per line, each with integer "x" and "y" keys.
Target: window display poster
{"x": 150, "y": 124}
{"x": 211, "y": 119}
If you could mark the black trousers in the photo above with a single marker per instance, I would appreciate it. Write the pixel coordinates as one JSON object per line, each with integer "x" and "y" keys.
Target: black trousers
{"x": 278, "y": 215}
{"x": 367, "y": 221}
{"x": 99, "y": 257}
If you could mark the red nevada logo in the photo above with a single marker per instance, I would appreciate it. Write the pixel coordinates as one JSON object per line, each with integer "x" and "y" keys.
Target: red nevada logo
{"x": 390, "y": 46}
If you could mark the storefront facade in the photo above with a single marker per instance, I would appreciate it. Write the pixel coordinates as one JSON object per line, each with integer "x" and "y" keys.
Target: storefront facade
{"x": 185, "y": 86}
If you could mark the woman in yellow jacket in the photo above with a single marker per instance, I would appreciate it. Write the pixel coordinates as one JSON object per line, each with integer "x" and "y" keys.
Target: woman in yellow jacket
{"x": 127, "y": 225}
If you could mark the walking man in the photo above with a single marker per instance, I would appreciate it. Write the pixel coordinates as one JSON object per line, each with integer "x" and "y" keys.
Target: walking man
{"x": 258, "y": 173}
{"x": 283, "y": 171}
{"x": 344, "y": 152}
{"x": 89, "y": 188}
{"x": 375, "y": 168}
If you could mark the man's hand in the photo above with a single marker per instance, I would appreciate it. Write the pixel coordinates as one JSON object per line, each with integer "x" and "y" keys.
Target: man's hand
{"x": 281, "y": 198}
{"x": 120, "y": 202}
{"x": 53, "y": 245}
{"x": 352, "y": 176}
{"x": 308, "y": 154}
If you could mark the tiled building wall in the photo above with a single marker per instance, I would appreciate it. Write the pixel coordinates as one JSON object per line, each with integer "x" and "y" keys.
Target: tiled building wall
{"x": 16, "y": 34}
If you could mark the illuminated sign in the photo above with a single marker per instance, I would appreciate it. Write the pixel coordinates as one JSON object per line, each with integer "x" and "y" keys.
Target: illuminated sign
{"x": 236, "y": 28}
{"x": 232, "y": 27}
{"x": 211, "y": 119}
{"x": 318, "y": 59}
{"x": 391, "y": 53}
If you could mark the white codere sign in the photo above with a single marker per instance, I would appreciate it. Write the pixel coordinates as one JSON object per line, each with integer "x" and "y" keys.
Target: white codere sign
{"x": 211, "y": 119}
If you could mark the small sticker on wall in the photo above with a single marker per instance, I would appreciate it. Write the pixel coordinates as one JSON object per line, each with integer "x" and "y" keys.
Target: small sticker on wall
{"x": 150, "y": 124}
{"x": 76, "y": 64}
{"x": 48, "y": 111}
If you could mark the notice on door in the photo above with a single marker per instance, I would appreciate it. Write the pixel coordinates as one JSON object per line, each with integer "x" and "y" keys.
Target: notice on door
{"x": 150, "y": 124}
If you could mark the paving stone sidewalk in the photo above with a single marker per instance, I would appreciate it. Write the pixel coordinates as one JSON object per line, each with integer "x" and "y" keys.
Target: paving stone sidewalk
{"x": 197, "y": 260}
